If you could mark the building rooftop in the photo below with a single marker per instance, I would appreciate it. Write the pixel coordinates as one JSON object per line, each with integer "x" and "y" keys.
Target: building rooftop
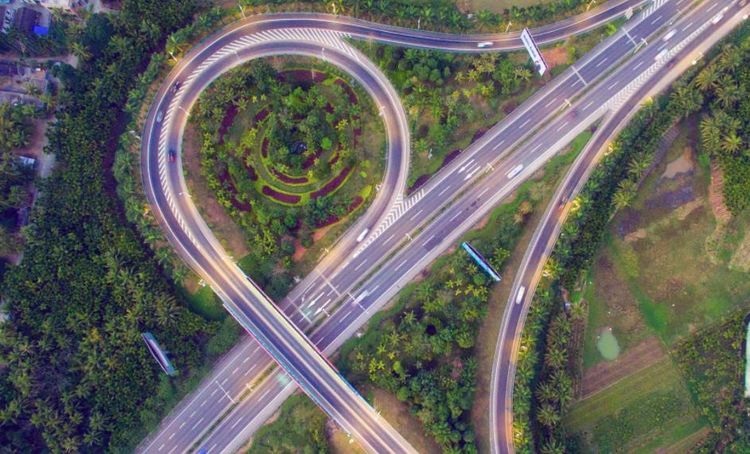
{"x": 26, "y": 19}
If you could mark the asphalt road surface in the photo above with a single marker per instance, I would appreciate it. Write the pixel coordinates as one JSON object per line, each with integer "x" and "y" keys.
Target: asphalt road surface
{"x": 188, "y": 231}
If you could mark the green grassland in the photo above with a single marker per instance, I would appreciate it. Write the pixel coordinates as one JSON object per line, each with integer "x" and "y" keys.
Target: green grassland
{"x": 663, "y": 270}
{"x": 648, "y": 410}
{"x": 664, "y": 282}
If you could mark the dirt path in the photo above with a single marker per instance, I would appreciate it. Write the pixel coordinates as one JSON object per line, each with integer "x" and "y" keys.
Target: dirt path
{"x": 607, "y": 373}
{"x": 226, "y": 230}
{"x": 716, "y": 195}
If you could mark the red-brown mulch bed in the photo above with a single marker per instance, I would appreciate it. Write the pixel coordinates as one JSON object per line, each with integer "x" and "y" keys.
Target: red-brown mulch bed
{"x": 311, "y": 159}
{"x": 417, "y": 184}
{"x": 352, "y": 96}
{"x": 478, "y": 134}
{"x": 450, "y": 157}
{"x": 334, "y": 219}
{"x": 224, "y": 177}
{"x": 509, "y": 107}
{"x": 331, "y": 185}
{"x": 289, "y": 179}
{"x": 301, "y": 75}
{"x": 262, "y": 115}
{"x": 280, "y": 196}
{"x": 264, "y": 147}
{"x": 327, "y": 221}
{"x": 251, "y": 172}
{"x": 328, "y": 107}
{"x": 334, "y": 158}
{"x": 227, "y": 121}
{"x": 355, "y": 203}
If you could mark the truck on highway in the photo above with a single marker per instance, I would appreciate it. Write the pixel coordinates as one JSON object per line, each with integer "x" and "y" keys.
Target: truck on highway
{"x": 515, "y": 171}
{"x": 362, "y": 235}
{"x": 669, "y": 35}
{"x": 484, "y": 44}
{"x": 661, "y": 54}
{"x": 520, "y": 294}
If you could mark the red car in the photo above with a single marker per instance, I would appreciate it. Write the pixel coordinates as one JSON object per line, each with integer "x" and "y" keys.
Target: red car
{"x": 172, "y": 156}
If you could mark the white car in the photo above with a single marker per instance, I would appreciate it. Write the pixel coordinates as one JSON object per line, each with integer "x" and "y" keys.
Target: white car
{"x": 159, "y": 116}
{"x": 484, "y": 44}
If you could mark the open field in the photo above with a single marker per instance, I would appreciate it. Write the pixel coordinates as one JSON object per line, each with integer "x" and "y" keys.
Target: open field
{"x": 654, "y": 275}
{"x": 640, "y": 413}
{"x": 666, "y": 269}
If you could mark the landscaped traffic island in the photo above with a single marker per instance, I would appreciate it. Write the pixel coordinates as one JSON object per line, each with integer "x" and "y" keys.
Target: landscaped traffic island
{"x": 290, "y": 148}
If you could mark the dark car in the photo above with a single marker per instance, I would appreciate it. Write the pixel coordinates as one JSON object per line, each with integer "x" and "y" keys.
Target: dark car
{"x": 176, "y": 87}
{"x": 172, "y": 155}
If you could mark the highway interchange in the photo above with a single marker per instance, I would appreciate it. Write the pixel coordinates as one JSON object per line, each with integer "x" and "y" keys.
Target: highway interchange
{"x": 333, "y": 300}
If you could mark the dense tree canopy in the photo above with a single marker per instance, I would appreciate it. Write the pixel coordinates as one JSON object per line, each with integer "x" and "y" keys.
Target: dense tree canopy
{"x": 78, "y": 377}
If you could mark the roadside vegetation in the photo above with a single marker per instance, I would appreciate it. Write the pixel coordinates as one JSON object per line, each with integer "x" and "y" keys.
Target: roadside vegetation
{"x": 288, "y": 152}
{"x": 76, "y": 375}
{"x": 440, "y": 15}
{"x": 654, "y": 278}
{"x": 300, "y": 427}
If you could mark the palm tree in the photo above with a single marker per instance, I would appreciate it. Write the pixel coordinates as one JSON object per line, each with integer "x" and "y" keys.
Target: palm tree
{"x": 522, "y": 74}
{"x": 545, "y": 392}
{"x": 625, "y": 194}
{"x": 707, "y": 79}
{"x": 728, "y": 93}
{"x": 710, "y": 134}
{"x": 553, "y": 447}
{"x": 730, "y": 58}
{"x": 548, "y": 416}
{"x": 555, "y": 358}
{"x": 636, "y": 166}
{"x": 731, "y": 143}
{"x": 80, "y": 51}
{"x": 687, "y": 99}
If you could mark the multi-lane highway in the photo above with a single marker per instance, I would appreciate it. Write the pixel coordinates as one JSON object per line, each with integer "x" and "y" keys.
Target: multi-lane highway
{"x": 198, "y": 247}
{"x": 710, "y": 29}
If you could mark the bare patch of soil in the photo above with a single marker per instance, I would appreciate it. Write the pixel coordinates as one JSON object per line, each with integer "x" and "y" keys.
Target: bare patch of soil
{"x": 619, "y": 300}
{"x": 229, "y": 234}
{"x": 741, "y": 257}
{"x": 607, "y": 373}
{"x": 716, "y": 195}
{"x": 397, "y": 413}
{"x": 682, "y": 165}
{"x": 555, "y": 56}
{"x": 635, "y": 236}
